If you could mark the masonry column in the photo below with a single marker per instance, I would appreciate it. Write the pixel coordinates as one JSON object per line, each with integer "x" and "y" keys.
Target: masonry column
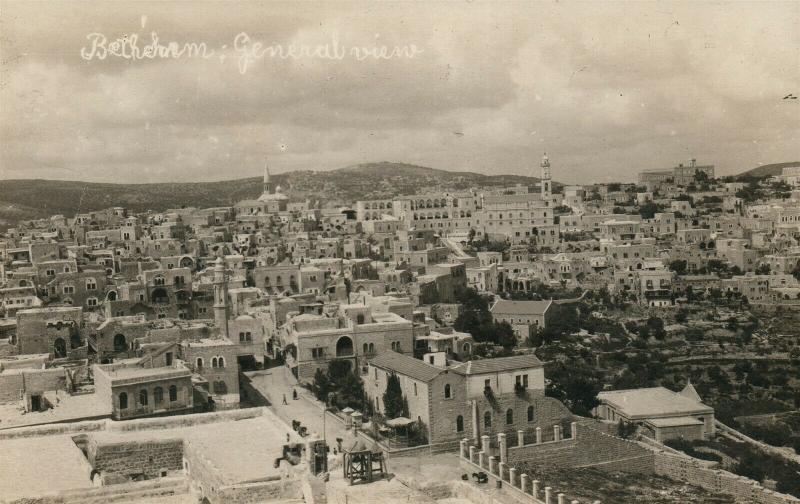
{"x": 548, "y": 495}
{"x": 574, "y": 430}
{"x": 501, "y": 440}
{"x": 556, "y": 433}
{"x": 538, "y": 435}
{"x": 512, "y": 476}
{"x": 462, "y": 448}
{"x": 501, "y": 469}
{"x": 485, "y": 445}
{"x": 524, "y": 480}
{"x": 482, "y": 459}
{"x": 562, "y": 499}
{"x": 475, "y": 421}
{"x": 520, "y": 438}
{"x": 535, "y": 488}
{"x": 492, "y": 465}
{"x": 472, "y": 454}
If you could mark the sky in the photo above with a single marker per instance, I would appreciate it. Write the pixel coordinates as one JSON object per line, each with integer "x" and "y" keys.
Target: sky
{"x": 606, "y": 89}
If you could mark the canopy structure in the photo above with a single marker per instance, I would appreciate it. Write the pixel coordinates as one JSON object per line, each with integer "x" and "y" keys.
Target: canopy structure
{"x": 399, "y": 427}
{"x": 362, "y": 463}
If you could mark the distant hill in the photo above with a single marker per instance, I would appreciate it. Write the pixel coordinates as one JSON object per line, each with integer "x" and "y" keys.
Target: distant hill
{"x": 32, "y": 199}
{"x": 767, "y": 170}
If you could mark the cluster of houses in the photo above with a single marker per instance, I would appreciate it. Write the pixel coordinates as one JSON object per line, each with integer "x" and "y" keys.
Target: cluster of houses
{"x": 137, "y": 315}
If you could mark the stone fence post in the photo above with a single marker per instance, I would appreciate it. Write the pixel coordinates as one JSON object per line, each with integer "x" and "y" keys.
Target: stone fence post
{"x": 472, "y": 454}
{"x": 556, "y": 433}
{"x": 501, "y": 470}
{"x": 485, "y": 445}
{"x": 538, "y": 435}
{"x": 548, "y": 495}
{"x": 524, "y": 481}
{"x": 503, "y": 443}
{"x": 492, "y": 465}
{"x": 512, "y": 476}
{"x": 462, "y": 448}
{"x": 481, "y": 459}
{"x": 574, "y": 430}
{"x": 520, "y": 438}
{"x": 535, "y": 489}
{"x": 562, "y": 499}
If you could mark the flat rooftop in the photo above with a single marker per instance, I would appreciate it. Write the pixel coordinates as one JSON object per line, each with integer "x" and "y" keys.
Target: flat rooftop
{"x": 67, "y": 408}
{"x": 36, "y": 466}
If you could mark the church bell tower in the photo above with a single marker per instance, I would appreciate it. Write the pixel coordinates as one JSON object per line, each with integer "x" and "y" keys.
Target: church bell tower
{"x": 546, "y": 182}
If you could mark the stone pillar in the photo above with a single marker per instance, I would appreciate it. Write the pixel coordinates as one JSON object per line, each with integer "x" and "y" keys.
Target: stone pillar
{"x": 574, "y": 430}
{"x": 481, "y": 458}
{"x": 556, "y": 433}
{"x": 501, "y": 440}
{"x": 575, "y": 502}
{"x": 512, "y": 476}
{"x": 475, "y": 421}
{"x": 548, "y": 495}
{"x": 501, "y": 470}
{"x": 520, "y": 438}
{"x": 524, "y": 482}
{"x": 492, "y": 465}
{"x": 562, "y": 499}
{"x": 472, "y": 454}
{"x": 485, "y": 446}
{"x": 535, "y": 489}
{"x": 462, "y": 448}
{"x": 538, "y": 435}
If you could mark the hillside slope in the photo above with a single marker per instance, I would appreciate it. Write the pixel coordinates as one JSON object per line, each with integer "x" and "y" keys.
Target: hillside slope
{"x": 30, "y": 199}
{"x": 767, "y": 170}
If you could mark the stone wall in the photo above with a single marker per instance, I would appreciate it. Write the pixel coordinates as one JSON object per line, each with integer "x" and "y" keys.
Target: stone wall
{"x": 146, "y": 457}
{"x": 692, "y": 471}
{"x": 590, "y": 448}
{"x": 11, "y": 387}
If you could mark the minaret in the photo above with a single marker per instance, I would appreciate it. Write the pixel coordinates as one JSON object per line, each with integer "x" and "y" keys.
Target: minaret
{"x": 545, "y": 183}
{"x": 220, "y": 297}
{"x": 267, "y": 183}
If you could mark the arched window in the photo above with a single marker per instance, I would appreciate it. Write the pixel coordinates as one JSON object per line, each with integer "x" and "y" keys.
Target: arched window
{"x": 344, "y": 347}
{"x": 143, "y": 397}
{"x": 372, "y": 348}
{"x": 459, "y": 423}
{"x": 214, "y": 362}
{"x": 359, "y": 319}
{"x": 199, "y": 363}
{"x": 366, "y": 348}
{"x": 487, "y": 420}
{"x": 220, "y": 387}
{"x": 123, "y": 400}
{"x": 447, "y": 391}
{"x": 59, "y": 348}
{"x": 221, "y": 362}
{"x": 509, "y": 416}
{"x": 173, "y": 393}
{"x": 120, "y": 345}
{"x": 530, "y": 413}
{"x": 158, "y": 395}
{"x": 75, "y": 340}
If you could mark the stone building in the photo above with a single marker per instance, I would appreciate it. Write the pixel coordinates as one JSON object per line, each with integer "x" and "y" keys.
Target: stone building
{"x": 136, "y": 391}
{"x": 216, "y": 361}
{"x": 470, "y": 399}
{"x": 51, "y": 330}
{"x": 662, "y": 413}
{"x": 354, "y": 332}
{"x": 525, "y": 317}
